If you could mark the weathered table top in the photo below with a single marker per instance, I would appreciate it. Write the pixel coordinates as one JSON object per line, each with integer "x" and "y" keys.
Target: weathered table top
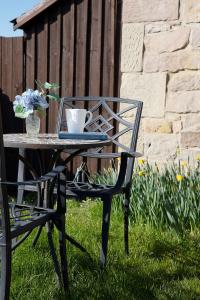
{"x": 49, "y": 141}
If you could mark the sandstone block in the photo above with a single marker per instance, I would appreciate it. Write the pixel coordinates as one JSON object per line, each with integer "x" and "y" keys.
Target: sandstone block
{"x": 183, "y": 102}
{"x": 195, "y": 37}
{"x": 184, "y": 81}
{"x": 156, "y": 125}
{"x": 190, "y": 11}
{"x": 190, "y": 139}
{"x": 160, "y": 147}
{"x": 157, "y": 27}
{"x": 132, "y": 47}
{"x": 172, "y": 62}
{"x": 171, "y": 116}
{"x": 149, "y": 88}
{"x": 177, "y": 126}
{"x": 191, "y": 122}
{"x": 167, "y": 41}
{"x": 146, "y": 10}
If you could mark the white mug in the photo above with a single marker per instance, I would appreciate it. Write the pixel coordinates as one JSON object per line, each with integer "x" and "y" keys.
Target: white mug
{"x": 76, "y": 119}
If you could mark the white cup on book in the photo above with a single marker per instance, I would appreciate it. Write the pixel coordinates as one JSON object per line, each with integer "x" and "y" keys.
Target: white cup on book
{"x": 76, "y": 119}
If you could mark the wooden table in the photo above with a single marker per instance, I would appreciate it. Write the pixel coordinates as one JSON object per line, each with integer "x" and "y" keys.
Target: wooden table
{"x": 48, "y": 141}
{"x": 45, "y": 141}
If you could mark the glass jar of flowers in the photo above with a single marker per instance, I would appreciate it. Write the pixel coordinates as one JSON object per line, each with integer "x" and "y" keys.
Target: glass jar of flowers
{"x": 31, "y": 105}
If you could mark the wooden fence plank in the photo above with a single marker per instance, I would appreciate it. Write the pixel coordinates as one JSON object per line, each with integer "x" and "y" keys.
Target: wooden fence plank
{"x": 68, "y": 49}
{"x": 81, "y": 58}
{"x": 54, "y": 63}
{"x": 95, "y": 64}
{"x": 41, "y": 59}
{"x": 7, "y": 66}
{"x": 107, "y": 64}
{"x": 30, "y": 74}
{"x": 17, "y": 71}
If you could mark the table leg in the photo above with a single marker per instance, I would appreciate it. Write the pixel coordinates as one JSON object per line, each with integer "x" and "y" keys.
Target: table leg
{"x": 20, "y": 177}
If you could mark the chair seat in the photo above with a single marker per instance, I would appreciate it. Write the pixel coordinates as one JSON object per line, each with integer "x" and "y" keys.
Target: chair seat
{"x": 24, "y": 218}
{"x": 87, "y": 189}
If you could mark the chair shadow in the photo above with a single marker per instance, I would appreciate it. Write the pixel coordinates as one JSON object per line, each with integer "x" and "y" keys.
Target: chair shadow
{"x": 131, "y": 280}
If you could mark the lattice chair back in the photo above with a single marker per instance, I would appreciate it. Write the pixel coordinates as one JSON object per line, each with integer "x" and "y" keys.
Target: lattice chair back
{"x": 119, "y": 118}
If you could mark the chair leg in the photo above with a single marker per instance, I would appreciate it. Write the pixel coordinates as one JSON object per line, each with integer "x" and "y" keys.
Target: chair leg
{"x": 126, "y": 222}
{"x": 63, "y": 254}
{"x": 5, "y": 272}
{"x": 61, "y": 208}
{"x": 105, "y": 229}
{"x": 53, "y": 254}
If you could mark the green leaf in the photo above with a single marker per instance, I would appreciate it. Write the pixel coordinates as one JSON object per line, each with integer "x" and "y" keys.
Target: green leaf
{"x": 49, "y": 86}
{"x": 20, "y": 112}
{"x": 53, "y": 96}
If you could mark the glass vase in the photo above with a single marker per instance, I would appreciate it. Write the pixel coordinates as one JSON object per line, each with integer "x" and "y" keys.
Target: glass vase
{"x": 33, "y": 124}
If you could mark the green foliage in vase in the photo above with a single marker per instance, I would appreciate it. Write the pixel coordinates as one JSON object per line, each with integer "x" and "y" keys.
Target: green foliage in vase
{"x": 35, "y": 100}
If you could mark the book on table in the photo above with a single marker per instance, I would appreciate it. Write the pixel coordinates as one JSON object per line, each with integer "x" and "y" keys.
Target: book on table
{"x": 83, "y": 135}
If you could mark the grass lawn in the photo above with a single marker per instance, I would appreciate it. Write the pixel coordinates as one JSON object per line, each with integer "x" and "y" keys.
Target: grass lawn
{"x": 162, "y": 264}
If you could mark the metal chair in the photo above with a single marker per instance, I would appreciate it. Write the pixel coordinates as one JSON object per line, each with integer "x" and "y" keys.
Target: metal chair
{"x": 18, "y": 221}
{"x": 118, "y": 118}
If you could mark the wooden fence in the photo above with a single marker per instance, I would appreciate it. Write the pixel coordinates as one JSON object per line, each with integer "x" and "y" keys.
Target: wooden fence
{"x": 75, "y": 44}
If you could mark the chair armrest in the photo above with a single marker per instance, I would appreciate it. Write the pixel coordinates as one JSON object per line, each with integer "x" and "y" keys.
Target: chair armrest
{"x": 47, "y": 177}
{"x": 131, "y": 154}
{"x": 123, "y": 167}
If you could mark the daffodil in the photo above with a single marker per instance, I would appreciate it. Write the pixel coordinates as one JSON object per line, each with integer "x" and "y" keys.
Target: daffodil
{"x": 179, "y": 177}
{"x": 197, "y": 157}
{"x": 183, "y": 163}
{"x": 141, "y": 173}
{"x": 141, "y": 161}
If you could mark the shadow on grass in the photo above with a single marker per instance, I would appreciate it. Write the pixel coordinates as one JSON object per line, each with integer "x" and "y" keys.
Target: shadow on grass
{"x": 172, "y": 276}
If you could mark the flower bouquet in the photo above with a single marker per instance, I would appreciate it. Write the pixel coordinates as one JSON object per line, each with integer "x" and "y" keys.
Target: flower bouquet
{"x": 31, "y": 105}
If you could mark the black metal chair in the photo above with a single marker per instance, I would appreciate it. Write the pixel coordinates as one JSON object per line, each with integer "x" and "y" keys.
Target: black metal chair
{"x": 18, "y": 221}
{"x": 117, "y": 117}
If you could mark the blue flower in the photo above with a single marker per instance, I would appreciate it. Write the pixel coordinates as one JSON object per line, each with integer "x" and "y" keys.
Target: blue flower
{"x": 29, "y": 101}
{"x": 34, "y": 100}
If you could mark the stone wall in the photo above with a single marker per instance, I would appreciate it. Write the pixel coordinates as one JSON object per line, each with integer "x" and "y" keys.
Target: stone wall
{"x": 160, "y": 64}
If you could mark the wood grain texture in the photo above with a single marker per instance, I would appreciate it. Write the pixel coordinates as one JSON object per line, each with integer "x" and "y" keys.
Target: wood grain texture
{"x": 54, "y": 62}
{"x": 42, "y": 59}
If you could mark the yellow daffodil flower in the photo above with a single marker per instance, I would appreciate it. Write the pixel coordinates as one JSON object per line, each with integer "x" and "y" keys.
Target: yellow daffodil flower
{"x": 141, "y": 161}
{"x": 141, "y": 173}
{"x": 179, "y": 177}
{"x": 183, "y": 163}
{"x": 197, "y": 157}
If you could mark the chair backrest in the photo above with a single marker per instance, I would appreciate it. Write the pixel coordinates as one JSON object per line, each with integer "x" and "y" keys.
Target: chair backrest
{"x": 119, "y": 118}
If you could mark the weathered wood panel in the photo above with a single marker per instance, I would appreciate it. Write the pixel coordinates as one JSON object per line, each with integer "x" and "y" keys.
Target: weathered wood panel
{"x": 7, "y": 66}
{"x": 54, "y": 61}
{"x": 30, "y": 58}
{"x": 42, "y": 60}
{"x": 17, "y": 68}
